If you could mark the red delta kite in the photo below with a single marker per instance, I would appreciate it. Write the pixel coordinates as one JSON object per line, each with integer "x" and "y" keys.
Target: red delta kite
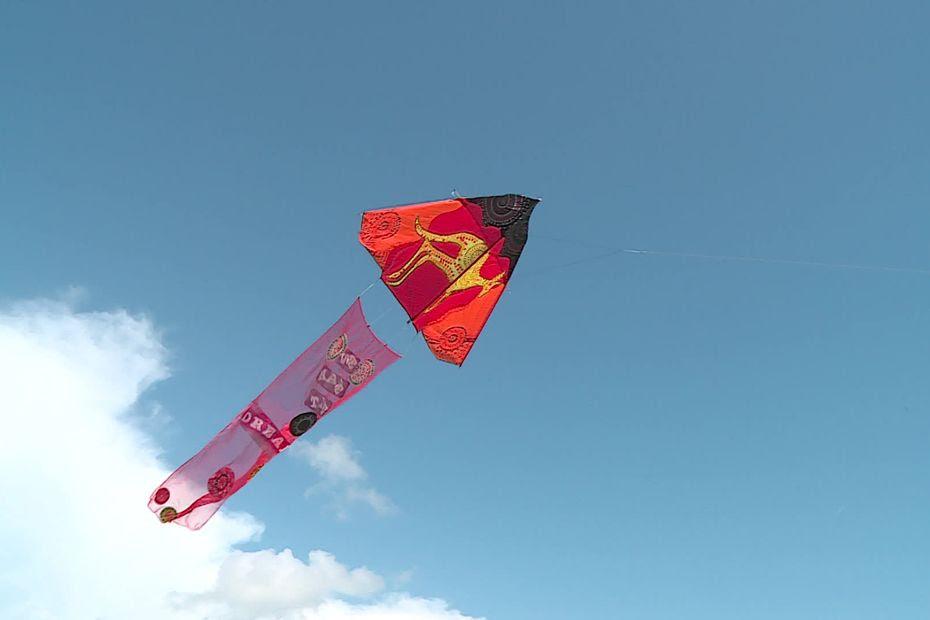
{"x": 447, "y": 262}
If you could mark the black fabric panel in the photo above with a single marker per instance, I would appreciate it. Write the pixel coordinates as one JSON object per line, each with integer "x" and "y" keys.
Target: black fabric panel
{"x": 511, "y": 214}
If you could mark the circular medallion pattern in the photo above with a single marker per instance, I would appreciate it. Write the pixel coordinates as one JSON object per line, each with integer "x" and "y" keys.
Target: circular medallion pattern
{"x": 337, "y": 347}
{"x": 362, "y": 371}
{"x": 221, "y": 482}
{"x": 377, "y": 226}
{"x": 302, "y": 423}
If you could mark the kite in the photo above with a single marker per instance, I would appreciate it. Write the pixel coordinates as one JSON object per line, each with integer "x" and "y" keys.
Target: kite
{"x": 329, "y": 372}
{"x": 447, "y": 264}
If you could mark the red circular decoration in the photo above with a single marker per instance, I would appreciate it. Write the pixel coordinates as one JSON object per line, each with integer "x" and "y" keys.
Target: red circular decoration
{"x": 451, "y": 345}
{"x": 162, "y": 495}
{"x": 337, "y": 347}
{"x": 362, "y": 371}
{"x": 453, "y": 338}
{"x": 221, "y": 482}
{"x": 380, "y": 226}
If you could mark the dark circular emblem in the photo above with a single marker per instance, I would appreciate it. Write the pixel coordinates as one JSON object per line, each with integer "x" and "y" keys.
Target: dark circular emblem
{"x": 302, "y": 423}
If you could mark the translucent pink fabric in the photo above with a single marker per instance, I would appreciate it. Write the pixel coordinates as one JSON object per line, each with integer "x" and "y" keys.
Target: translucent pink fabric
{"x": 329, "y": 372}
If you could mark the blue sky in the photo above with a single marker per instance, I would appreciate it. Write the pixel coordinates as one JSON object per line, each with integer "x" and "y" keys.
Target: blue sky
{"x": 648, "y": 437}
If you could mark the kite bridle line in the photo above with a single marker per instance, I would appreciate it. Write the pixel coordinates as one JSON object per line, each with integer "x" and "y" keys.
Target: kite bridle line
{"x": 371, "y": 324}
{"x": 367, "y": 288}
{"x": 718, "y": 257}
{"x": 784, "y": 261}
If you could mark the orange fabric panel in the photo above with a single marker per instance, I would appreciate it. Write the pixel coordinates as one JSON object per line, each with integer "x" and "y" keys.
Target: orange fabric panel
{"x": 385, "y": 229}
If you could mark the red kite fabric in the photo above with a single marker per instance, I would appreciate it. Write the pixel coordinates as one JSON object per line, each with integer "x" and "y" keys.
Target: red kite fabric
{"x": 332, "y": 370}
{"x": 448, "y": 262}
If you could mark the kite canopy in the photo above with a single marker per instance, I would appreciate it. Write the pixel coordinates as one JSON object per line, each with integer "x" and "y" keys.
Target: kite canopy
{"x": 448, "y": 262}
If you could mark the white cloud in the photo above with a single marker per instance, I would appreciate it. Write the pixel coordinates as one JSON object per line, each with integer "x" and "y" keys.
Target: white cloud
{"x": 333, "y": 457}
{"x": 76, "y": 538}
{"x": 366, "y": 495}
{"x": 342, "y": 477}
{"x": 394, "y": 607}
{"x": 243, "y": 580}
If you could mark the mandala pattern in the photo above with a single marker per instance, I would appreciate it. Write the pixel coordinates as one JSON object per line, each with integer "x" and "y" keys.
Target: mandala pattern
{"x": 302, "y": 423}
{"x": 503, "y": 210}
{"x": 511, "y": 213}
{"x": 221, "y": 483}
{"x": 362, "y": 372}
{"x": 453, "y": 338}
{"x": 337, "y": 347}
{"x": 167, "y": 514}
{"x": 381, "y": 225}
{"x": 450, "y": 344}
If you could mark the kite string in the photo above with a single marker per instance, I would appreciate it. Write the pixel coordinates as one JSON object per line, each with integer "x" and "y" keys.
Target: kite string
{"x": 390, "y": 310}
{"x": 784, "y": 261}
{"x": 720, "y": 257}
{"x": 396, "y": 334}
{"x": 383, "y": 314}
{"x": 413, "y": 336}
{"x": 367, "y": 288}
